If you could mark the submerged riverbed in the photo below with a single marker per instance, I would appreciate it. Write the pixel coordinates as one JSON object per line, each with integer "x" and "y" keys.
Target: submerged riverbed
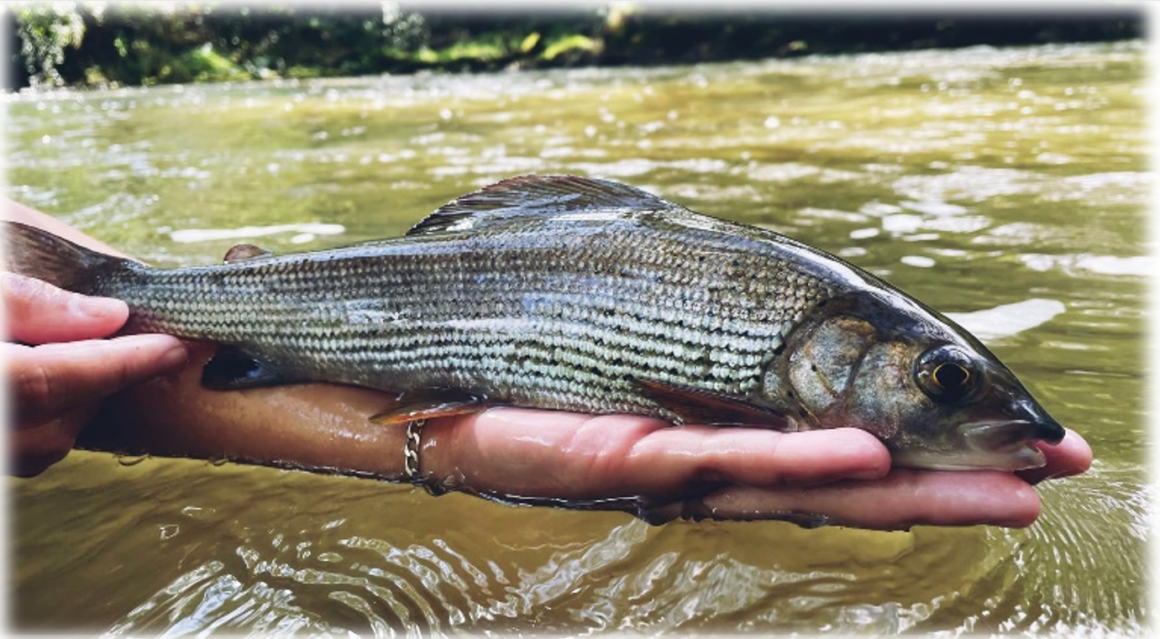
{"x": 972, "y": 179}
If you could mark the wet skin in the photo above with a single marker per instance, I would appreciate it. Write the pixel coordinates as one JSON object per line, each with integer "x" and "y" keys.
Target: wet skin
{"x": 723, "y": 473}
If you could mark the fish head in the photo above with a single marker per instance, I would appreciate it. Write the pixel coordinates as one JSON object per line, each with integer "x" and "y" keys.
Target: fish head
{"x": 931, "y": 392}
{"x": 972, "y": 413}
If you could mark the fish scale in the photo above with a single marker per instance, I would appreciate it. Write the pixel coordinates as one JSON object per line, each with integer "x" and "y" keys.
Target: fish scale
{"x": 510, "y": 314}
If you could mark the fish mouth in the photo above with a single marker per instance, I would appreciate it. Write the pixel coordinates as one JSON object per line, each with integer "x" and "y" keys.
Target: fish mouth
{"x": 1007, "y": 445}
{"x": 1011, "y": 441}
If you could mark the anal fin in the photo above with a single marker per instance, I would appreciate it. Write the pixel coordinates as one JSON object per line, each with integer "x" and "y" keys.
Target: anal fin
{"x": 429, "y": 403}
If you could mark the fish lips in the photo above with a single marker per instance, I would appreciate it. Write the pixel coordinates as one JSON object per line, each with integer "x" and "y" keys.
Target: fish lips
{"x": 1010, "y": 441}
{"x": 1004, "y": 442}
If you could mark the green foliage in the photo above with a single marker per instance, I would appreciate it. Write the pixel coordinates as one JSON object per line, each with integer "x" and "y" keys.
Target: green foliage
{"x": 202, "y": 64}
{"x": 45, "y": 31}
{"x": 568, "y": 44}
{"x": 404, "y": 31}
{"x": 529, "y": 42}
{"x": 145, "y": 43}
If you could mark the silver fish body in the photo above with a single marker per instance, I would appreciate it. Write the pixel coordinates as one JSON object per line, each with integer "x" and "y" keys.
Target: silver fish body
{"x": 575, "y": 294}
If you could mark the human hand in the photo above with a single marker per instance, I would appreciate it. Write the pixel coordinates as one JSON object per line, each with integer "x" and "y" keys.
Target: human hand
{"x": 840, "y": 476}
{"x": 57, "y": 385}
{"x": 623, "y": 462}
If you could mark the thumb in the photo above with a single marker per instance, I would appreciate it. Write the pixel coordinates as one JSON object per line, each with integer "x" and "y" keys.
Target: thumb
{"x": 50, "y": 379}
{"x": 38, "y": 312}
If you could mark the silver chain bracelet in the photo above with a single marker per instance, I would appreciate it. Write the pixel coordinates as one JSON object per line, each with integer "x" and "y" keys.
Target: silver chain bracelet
{"x": 411, "y": 450}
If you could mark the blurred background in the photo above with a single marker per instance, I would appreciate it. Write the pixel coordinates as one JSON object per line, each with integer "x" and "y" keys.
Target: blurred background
{"x": 111, "y": 44}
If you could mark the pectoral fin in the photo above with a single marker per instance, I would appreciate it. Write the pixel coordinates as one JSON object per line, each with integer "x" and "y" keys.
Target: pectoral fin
{"x": 429, "y": 403}
{"x": 232, "y": 368}
{"x": 699, "y": 406}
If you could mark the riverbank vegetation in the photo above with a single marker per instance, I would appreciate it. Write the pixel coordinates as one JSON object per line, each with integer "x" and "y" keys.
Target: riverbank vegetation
{"x": 115, "y": 44}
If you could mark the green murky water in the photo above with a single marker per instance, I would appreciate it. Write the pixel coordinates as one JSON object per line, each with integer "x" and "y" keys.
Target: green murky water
{"x": 970, "y": 178}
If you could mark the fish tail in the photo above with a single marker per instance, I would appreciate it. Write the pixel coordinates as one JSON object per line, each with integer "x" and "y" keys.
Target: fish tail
{"x": 36, "y": 253}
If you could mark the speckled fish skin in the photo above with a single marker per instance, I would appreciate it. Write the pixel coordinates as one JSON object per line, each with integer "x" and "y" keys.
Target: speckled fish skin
{"x": 556, "y": 292}
{"x": 553, "y": 313}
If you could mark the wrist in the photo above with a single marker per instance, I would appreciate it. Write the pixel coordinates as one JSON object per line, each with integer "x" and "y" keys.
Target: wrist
{"x": 436, "y": 467}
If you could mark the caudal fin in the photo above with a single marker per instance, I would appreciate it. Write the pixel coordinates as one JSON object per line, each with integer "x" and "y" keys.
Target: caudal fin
{"x": 34, "y": 252}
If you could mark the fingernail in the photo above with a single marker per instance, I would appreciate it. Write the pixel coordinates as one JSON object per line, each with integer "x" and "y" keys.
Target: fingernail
{"x": 879, "y": 470}
{"x": 175, "y": 357}
{"x": 94, "y": 306}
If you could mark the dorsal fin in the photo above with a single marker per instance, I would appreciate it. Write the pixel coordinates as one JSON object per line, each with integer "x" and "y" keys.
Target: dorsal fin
{"x": 537, "y": 196}
{"x": 240, "y": 252}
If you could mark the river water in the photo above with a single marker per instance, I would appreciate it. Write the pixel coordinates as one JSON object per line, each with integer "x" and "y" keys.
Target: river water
{"x": 972, "y": 179}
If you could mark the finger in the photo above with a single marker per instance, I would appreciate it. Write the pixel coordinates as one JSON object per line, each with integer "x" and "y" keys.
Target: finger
{"x": 524, "y": 451}
{"x": 578, "y": 456}
{"x": 46, "y": 380}
{"x": 33, "y": 450}
{"x": 903, "y": 499}
{"x": 1072, "y": 456}
{"x": 668, "y": 458}
{"x": 38, "y": 312}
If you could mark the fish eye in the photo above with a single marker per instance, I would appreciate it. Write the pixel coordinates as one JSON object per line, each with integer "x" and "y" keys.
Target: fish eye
{"x": 946, "y": 373}
{"x": 950, "y": 376}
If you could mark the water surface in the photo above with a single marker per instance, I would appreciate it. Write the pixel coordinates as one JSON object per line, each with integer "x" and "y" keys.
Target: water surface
{"x": 973, "y": 179}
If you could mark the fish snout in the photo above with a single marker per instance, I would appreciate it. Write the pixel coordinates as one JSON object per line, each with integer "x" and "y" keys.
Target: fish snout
{"x": 1039, "y": 424}
{"x": 1023, "y": 423}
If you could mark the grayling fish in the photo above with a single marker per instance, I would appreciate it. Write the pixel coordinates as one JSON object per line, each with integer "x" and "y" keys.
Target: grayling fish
{"x": 568, "y": 293}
